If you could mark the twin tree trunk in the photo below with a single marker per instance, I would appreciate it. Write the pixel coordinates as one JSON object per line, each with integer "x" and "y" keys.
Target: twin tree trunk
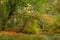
{"x": 4, "y": 21}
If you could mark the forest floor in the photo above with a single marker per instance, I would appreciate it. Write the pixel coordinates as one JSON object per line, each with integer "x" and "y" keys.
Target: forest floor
{"x": 20, "y": 36}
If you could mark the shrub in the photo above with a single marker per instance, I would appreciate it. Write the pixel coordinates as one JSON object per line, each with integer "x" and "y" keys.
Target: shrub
{"x": 31, "y": 27}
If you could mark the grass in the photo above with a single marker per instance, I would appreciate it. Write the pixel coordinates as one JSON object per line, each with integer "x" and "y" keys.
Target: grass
{"x": 16, "y": 37}
{"x": 5, "y": 37}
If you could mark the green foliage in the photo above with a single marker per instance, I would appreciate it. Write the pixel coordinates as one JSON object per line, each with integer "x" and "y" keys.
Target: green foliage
{"x": 29, "y": 15}
{"x": 3, "y": 15}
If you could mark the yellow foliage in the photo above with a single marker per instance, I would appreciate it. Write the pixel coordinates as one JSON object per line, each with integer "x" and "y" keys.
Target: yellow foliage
{"x": 47, "y": 18}
{"x": 3, "y": 1}
{"x": 31, "y": 27}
